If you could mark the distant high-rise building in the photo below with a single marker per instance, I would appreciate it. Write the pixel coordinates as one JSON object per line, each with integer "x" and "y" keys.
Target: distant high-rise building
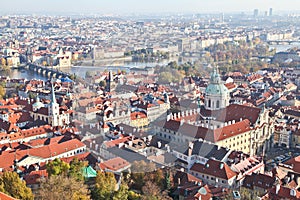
{"x": 266, "y": 13}
{"x": 271, "y": 12}
{"x": 222, "y": 18}
{"x": 255, "y": 12}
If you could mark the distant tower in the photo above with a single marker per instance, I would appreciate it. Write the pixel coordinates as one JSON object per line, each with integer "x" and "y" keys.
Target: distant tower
{"x": 266, "y": 13}
{"x": 222, "y": 18}
{"x": 109, "y": 81}
{"x": 217, "y": 95}
{"x": 53, "y": 109}
{"x": 255, "y": 13}
{"x": 166, "y": 97}
{"x": 271, "y": 12}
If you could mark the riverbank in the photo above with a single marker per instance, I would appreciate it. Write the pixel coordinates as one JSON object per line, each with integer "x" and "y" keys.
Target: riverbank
{"x": 104, "y": 62}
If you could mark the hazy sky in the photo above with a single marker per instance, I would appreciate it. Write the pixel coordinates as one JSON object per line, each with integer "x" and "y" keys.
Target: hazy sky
{"x": 148, "y": 6}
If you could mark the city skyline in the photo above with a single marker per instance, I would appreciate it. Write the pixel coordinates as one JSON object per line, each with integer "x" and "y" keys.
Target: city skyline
{"x": 154, "y": 6}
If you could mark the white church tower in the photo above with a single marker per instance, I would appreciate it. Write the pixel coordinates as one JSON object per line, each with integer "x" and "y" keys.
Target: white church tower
{"x": 53, "y": 109}
{"x": 217, "y": 95}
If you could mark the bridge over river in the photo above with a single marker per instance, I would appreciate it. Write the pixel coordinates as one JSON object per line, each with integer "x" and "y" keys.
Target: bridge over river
{"x": 48, "y": 72}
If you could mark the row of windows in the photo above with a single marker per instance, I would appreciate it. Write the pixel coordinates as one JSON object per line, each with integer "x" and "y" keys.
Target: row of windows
{"x": 207, "y": 177}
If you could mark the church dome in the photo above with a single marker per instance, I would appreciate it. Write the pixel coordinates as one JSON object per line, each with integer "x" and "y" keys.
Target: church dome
{"x": 216, "y": 87}
{"x": 37, "y": 105}
{"x": 216, "y": 93}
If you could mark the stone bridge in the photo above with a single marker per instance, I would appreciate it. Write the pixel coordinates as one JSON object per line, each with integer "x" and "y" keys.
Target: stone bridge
{"x": 47, "y": 71}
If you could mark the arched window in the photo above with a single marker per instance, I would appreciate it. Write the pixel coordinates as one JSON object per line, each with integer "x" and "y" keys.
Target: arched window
{"x": 218, "y": 104}
{"x": 209, "y": 103}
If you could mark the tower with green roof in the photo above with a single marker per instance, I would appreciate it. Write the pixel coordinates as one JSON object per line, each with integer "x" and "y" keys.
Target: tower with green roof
{"x": 216, "y": 94}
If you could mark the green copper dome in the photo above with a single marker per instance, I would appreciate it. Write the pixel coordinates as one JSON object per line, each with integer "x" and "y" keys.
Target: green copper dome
{"x": 216, "y": 87}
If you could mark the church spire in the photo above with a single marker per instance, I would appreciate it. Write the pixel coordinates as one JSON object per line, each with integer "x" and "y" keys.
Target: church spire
{"x": 53, "y": 99}
{"x": 215, "y": 76}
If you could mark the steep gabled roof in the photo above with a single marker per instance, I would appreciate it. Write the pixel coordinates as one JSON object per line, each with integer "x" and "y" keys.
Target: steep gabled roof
{"x": 214, "y": 168}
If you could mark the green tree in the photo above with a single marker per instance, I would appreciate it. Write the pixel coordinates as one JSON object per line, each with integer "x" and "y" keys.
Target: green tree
{"x": 105, "y": 186}
{"x": 152, "y": 192}
{"x": 142, "y": 166}
{"x": 11, "y": 184}
{"x": 61, "y": 187}
{"x": 122, "y": 193}
{"x": 57, "y": 167}
{"x": 75, "y": 169}
{"x": 133, "y": 196}
{"x": 248, "y": 194}
{"x": 3, "y": 62}
{"x": 138, "y": 171}
{"x": 31, "y": 95}
{"x": 102, "y": 83}
{"x": 2, "y": 92}
{"x": 167, "y": 180}
{"x": 73, "y": 77}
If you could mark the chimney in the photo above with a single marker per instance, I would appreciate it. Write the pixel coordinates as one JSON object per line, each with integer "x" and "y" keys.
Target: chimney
{"x": 221, "y": 165}
{"x": 293, "y": 192}
{"x": 168, "y": 117}
{"x": 159, "y": 144}
{"x": 277, "y": 188}
{"x": 190, "y": 150}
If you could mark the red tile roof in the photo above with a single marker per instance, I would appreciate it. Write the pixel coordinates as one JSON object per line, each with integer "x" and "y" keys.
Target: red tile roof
{"x": 214, "y": 168}
{"x": 4, "y": 196}
{"x": 259, "y": 180}
{"x": 137, "y": 115}
{"x": 294, "y": 163}
{"x": 205, "y": 133}
{"x": 233, "y": 112}
{"x": 114, "y": 164}
{"x": 35, "y": 176}
{"x": 44, "y": 152}
{"x": 284, "y": 193}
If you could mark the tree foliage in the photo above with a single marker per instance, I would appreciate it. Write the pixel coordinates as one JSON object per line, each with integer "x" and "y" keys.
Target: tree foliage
{"x": 11, "y": 184}
{"x": 102, "y": 83}
{"x": 245, "y": 193}
{"x": 133, "y": 196}
{"x": 2, "y": 92}
{"x": 105, "y": 186}
{"x": 122, "y": 193}
{"x": 152, "y": 192}
{"x": 61, "y": 187}
{"x": 142, "y": 166}
{"x": 57, "y": 167}
{"x": 75, "y": 169}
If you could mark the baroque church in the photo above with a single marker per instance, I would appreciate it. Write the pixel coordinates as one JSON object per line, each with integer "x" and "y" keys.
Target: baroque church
{"x": 234, "y": 126}
{"x": 51, "y": 113}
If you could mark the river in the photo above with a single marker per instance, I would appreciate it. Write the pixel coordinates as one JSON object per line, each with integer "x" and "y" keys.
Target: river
{"x": 284, "y": 47}
{"x": 77, "y": 70}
